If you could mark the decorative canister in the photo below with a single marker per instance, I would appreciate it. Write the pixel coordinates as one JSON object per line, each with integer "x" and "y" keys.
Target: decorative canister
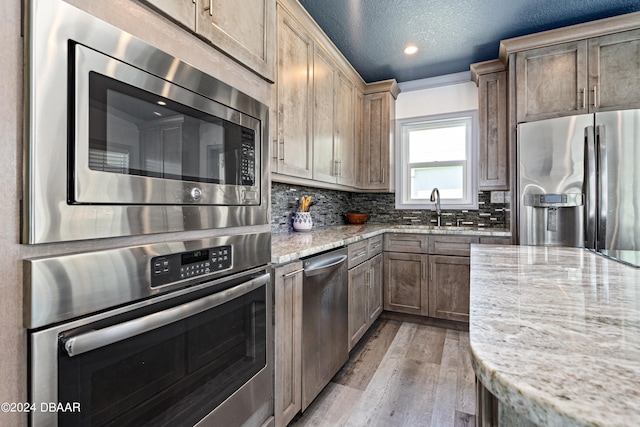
{"x": 302, "y": 221}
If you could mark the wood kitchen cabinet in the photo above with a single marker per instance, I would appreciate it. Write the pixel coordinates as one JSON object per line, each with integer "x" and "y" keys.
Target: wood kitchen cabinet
{"x": 583, "y": 76}
{"x": 449, "y": 274}
{"x": 181, "y": 11}
{"x": 406, "y": 288}
{"x": 365, "y": 286}
{"x": 334, "y": 124}
{"x": 429, "y": 275}
{"x": 495, "y": 240}
{"x": 375, "y": 297}
{"x": 320, "y": 106}
{"x": 493, "y": 139}
{"x": 552, "y": 81}
{"x": 358, "y": 302}
{"x": 614, "y": 81}
{"x": 345, "y": 129}
{"x": 449, "y": 287}
{"x": 287, "y": 342}
{"x": 292, "y": 152}
{"x": 375, "y": 164}
{"x": 244, "y": 30}
{"x": 324, "y": 84}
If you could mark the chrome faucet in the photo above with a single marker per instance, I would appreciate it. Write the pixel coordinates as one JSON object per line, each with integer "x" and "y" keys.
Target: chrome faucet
{"x": 435, "y": 197}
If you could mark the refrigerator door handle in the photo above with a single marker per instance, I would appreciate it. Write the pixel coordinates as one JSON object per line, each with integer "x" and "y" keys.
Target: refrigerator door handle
{"x": 601, "y": 146}
{"x": 590, "y": 188}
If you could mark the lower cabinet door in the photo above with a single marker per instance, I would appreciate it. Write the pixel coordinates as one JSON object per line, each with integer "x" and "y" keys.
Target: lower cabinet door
{"x": 405, "y": 285}
{"x": 449, "y": 287}
{"x": 375, "y": 288}
{"x": 358, "y": 316}
{"x": 288, "y": 342}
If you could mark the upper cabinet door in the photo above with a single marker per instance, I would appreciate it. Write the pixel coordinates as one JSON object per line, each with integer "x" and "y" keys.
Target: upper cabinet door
{"x": 375, "y": 158}
{"x": 345, "y": 132}
{"x": 245, "y": 30}
{"x": 181, "y": 11}
{"x": 614, "y": 80}
{"x": 292, "y": 153}
{"x": 324, "y": 116}
{"x": 493, "y": 140}
{"x": 552, "y": 81}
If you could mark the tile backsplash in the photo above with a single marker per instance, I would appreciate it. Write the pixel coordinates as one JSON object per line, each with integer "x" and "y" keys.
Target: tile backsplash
{"x": 332, "y": 205}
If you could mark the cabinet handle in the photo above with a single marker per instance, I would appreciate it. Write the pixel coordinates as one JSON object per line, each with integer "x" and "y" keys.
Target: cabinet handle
{"x": 584, "y": 98}
{"x": 424, "y": 270}
{"x": 209, "y": 8}
{"x": 281, "y": 150}
{"x": 431, "y": 272}
{"x": 293, "y": 273}
{"x": 339, "y": 167}
{"x": 371, "y": 278}
{"x": 275, "y": 155}
{"x": 359, "y": 254}
{"x": 595, "y": 96}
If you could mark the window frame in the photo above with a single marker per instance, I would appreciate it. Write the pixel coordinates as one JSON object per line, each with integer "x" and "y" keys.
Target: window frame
{"x": 403, "y": 167}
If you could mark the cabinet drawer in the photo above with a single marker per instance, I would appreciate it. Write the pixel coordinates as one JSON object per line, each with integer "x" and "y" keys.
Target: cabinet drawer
{"x": 490, "y": 240}
{"x": 412, "y": 243}
{"x": 357, "y": 253}
{"x": 451, "y": 245}
{"x": 374, "y": 246}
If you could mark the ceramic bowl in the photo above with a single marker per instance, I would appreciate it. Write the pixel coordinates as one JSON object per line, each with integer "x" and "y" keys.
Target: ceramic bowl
{"x": 357, "y": 218}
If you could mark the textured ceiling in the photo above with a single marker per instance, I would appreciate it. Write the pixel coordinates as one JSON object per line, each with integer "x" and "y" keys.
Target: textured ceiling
{"x": 451, "y": 34}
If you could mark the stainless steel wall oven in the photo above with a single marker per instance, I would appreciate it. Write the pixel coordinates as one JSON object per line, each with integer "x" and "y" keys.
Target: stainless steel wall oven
{"x": 124, "y": 139}
{"x": 161, "y": 335}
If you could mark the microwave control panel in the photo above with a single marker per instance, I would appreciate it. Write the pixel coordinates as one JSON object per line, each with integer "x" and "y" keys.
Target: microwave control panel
{"x": 248, "y": 166}
{"x": 172, "y": 268}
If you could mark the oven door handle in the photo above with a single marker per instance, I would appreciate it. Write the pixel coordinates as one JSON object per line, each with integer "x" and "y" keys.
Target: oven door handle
{"x": 103, "y": 337}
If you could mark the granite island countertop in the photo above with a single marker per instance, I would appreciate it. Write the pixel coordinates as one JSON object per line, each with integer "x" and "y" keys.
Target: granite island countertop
{"x": 287, "y": 247}
{"x": 555, "y": 334}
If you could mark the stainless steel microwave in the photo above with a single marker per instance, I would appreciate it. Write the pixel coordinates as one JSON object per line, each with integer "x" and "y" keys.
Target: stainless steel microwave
{"x": 124, "y": 139}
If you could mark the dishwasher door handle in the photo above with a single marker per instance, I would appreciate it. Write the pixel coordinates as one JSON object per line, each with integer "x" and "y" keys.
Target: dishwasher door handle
{"x": 316, "y": 268}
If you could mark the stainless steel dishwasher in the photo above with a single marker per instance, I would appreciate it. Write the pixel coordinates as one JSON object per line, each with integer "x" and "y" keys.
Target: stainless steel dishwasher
{"x": 325, "y": 332}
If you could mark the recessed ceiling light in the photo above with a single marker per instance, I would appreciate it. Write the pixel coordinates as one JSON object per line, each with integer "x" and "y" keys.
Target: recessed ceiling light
{"x": 410, "y": 49}
{"x": 162, "y": 103}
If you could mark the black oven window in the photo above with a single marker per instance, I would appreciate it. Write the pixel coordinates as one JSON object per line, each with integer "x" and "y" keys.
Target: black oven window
{"x": 172, "y": 376}
{"x": 135, "y": 132}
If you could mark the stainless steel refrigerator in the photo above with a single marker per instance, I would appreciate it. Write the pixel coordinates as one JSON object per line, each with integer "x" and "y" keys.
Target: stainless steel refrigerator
{"x": 579, "y": 182}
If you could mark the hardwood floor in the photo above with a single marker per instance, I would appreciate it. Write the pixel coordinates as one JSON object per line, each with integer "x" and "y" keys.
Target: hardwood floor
{"x": 400, "y": 374}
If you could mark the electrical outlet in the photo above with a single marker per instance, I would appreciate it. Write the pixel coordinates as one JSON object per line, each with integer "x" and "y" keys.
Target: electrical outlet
{"x": 497, "y": 197}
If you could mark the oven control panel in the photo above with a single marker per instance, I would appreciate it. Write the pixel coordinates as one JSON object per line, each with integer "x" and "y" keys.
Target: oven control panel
{"x": 171, "y": 268}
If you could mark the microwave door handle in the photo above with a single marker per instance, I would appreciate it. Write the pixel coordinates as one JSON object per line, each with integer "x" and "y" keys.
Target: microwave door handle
{"x": 103, "y": 337}
{"x": 603, "y": 189}
{"x": 590, "y": 187}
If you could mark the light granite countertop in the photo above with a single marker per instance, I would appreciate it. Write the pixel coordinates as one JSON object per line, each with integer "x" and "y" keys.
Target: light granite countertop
{"x": 287, "y": 247}
{"x": 555, "y": 334}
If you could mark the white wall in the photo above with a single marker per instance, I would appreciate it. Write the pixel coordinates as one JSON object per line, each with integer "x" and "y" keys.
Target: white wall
{"x": 438, "y": 100}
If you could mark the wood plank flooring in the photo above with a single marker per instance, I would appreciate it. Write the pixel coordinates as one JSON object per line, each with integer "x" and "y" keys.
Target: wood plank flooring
{"x": 400, "y": 374}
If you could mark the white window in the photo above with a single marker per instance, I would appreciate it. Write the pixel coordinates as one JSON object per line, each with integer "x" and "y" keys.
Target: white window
{"x": 437, "y": 152}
